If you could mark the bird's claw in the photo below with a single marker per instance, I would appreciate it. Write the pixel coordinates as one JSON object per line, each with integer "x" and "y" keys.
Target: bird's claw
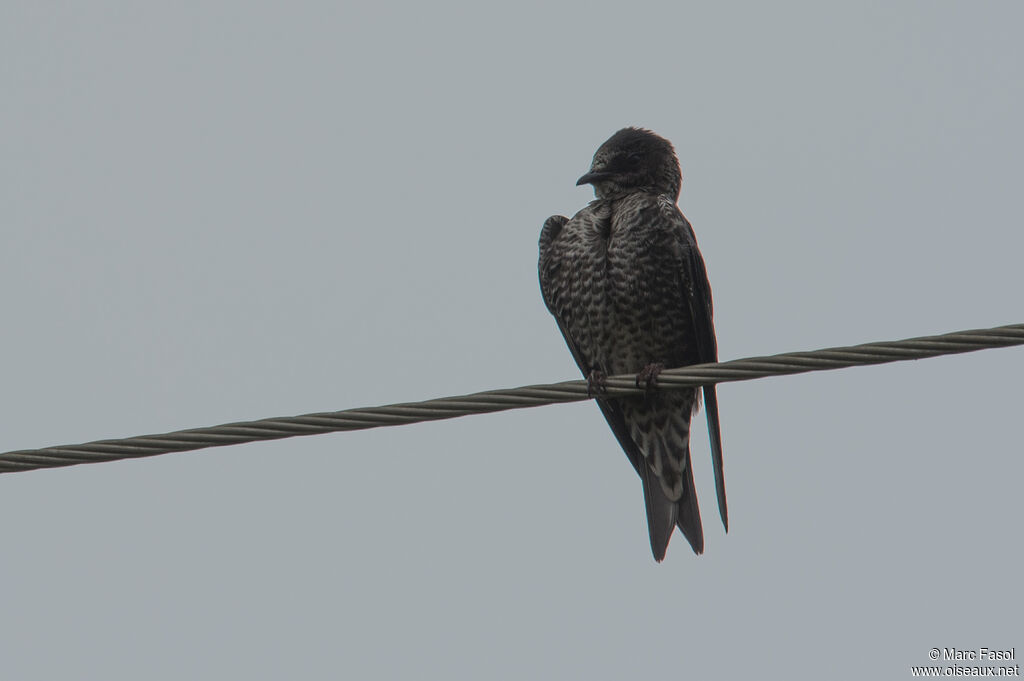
{"x": 648, "y": 376}
{"x": 597, "y": 383}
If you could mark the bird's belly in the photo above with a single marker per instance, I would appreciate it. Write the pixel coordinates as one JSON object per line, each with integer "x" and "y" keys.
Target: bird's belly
{"x": 632, "y": 319}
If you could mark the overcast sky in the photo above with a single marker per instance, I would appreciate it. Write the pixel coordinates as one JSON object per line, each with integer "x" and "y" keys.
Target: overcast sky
{"x": 229, "y": 211}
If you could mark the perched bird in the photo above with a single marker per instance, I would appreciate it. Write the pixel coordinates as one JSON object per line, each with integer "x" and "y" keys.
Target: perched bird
{"x": 627, "y": 285}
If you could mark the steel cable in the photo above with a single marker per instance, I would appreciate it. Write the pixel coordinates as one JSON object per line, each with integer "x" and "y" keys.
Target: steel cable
{"x": 510, "y": 398}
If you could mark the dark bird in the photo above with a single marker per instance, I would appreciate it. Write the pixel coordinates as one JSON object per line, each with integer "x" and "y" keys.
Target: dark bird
{"x": 627, "y": 285}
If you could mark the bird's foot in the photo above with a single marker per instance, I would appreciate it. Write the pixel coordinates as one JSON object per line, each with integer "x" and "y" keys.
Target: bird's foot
{"x": 648, "y": 377}
{"x": 597, "y": 383}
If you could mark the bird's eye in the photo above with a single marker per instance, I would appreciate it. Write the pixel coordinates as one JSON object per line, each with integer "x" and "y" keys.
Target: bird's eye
{"x": 633, "y": 159}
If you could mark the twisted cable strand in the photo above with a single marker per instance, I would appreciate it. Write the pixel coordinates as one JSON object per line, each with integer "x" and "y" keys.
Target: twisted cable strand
{"x": 509, "y": 398}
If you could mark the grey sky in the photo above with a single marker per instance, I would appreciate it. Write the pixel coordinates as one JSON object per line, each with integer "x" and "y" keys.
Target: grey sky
{"x": 216, "y": 212}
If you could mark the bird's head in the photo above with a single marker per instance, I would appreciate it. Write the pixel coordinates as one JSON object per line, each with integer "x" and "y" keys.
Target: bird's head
{"x": 634, "y": 158}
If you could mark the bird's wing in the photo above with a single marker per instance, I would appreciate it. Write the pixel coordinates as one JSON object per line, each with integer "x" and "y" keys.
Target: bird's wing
{"x": 697, "y": 291}
{"x": 552, "y": 226}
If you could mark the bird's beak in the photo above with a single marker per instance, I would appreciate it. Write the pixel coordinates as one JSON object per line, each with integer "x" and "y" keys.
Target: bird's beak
{"x": 592, "y": 177}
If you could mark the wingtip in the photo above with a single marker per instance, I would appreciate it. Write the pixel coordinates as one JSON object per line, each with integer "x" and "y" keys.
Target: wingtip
{"x": 715, "y": 434}
{"x": 723, "y": 508}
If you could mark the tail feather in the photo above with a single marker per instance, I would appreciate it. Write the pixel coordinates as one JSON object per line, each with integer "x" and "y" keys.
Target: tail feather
{"x": 664, "y": 515}
{"x": 688, "y": 511}
{"x": 660, "y": 454}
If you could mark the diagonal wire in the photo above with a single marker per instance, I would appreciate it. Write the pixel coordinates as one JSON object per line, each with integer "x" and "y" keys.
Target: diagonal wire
{"x": 510, "y": 398}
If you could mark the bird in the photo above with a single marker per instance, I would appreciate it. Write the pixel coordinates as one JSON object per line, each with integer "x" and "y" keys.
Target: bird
{"x": 628, "y": 287}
